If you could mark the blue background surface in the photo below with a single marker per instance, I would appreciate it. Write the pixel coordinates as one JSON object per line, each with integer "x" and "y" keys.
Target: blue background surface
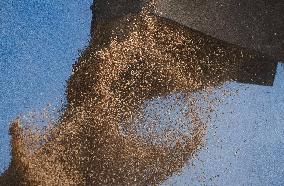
{"x": 39, "y": 42}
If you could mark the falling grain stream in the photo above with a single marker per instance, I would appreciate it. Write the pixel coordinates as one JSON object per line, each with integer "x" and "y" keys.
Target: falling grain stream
{"x": 104, "y": 135}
